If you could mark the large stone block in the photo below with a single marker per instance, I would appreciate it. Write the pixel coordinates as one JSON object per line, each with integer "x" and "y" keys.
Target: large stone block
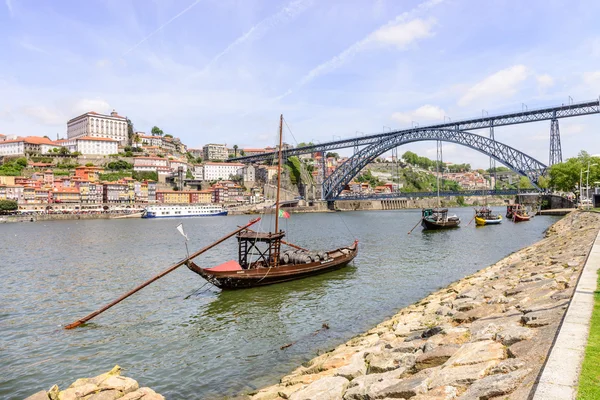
{"x": 495, "y": 385}
{"x": 330, "y": 388}
{"x": 461, "y": 376}
{"x": 477, "y": 352}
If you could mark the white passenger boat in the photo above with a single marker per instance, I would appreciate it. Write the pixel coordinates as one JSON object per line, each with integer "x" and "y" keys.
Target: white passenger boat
{"x": 178, "y": 211}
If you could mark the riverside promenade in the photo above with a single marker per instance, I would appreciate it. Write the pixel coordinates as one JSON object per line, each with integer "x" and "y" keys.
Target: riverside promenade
{"x": 486, "y": 336}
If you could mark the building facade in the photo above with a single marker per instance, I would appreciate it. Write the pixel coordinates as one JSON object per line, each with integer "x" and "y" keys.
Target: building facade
{"x": 214, "y": 152}
{"x": 93, "y": 124}
{"x": 213, "y": 171}
{"x": 89, "y": 145}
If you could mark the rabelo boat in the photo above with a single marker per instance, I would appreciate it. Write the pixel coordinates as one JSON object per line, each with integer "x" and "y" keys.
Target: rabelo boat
{"x": 484, "y": 216}
{"x": 438, "y": 218}
{"x": 261, "y": 261}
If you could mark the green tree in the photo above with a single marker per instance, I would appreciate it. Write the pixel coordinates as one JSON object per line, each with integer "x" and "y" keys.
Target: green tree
{"x": 8, "y": 205}
{"x": 119, "y": 165}
{"x": 332, "y": 154}
{"x": 242, "y": 153}
{"x": 156, "y": 131}
{"x": 89, "y": 164}
{"x": 169, "y": 135}
{"x": 525, "y": 183}
{"x": 235, "y": 149}
{"x": 130, "y": 134}
{"x": 22, "y": 161}
{"x": 64, "y": 151}
{"x": 543, "y": 182}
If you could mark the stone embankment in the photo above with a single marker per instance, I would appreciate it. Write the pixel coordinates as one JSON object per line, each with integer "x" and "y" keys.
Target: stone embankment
{"x": 108, "y": 386}
{"x": 486, "y": 336}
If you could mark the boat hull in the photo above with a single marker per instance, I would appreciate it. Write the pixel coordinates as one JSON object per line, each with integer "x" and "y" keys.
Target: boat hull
{"x": 431, "y": 225}
{"x": 153, "y": 215}
{"x": 248, "y": 278}
{"x": 483, "y": 221}
{"x": 521, "y": 218}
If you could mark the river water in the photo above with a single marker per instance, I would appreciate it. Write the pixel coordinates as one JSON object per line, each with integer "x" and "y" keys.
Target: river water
{"x": 208, "y": 344}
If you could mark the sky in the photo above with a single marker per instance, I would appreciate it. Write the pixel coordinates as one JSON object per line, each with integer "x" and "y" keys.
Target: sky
{"x": 222, "y": 71}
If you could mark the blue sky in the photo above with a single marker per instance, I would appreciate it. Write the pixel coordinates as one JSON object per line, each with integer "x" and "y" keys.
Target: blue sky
{"x": 222, "y": 70}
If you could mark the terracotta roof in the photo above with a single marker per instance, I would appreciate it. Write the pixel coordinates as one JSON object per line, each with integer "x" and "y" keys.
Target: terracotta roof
{"x": 96, "y": 138}
{"x": 31, "y": 140}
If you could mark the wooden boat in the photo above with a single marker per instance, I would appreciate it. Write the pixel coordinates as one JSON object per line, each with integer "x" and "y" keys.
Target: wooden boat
{"x": 519, "y": 216}
{"x": 438, "y": 218}
{"x": 261, "y": 261}
{"x": 241, "y": 274}
{"x": 510, "y": 209}
{"x": 484, "y": 216}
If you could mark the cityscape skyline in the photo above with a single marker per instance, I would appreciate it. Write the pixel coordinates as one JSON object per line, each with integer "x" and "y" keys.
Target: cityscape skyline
{"x": 384, "y": 65}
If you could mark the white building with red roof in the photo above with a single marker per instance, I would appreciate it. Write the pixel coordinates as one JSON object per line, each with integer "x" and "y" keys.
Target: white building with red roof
{"x": 89, "y": 145}
{"x": 93, "y": 124}
{"x": 27, "y": 145}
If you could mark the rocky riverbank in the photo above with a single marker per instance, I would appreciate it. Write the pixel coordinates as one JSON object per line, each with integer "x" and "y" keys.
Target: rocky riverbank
{"x": 108, "y": 386}
{"x": 486, "y": 336}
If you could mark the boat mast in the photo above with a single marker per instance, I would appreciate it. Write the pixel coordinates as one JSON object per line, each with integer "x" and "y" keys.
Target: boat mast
{"x": 437, "y": 170}
{"x": 278, "y": 173}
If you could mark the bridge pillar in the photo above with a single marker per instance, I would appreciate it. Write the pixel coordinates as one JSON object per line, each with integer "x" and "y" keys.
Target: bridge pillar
{"x": 555, "y": 148}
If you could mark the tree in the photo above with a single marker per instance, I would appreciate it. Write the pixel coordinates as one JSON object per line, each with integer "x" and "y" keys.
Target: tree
{"x": 22, "y": 161}
{"x": 64, "y": 151}
{"x": 235, "y": 148}
{"x": 169, "y": 136}
{"x": 566, "y": 176}
{"x": 156, "y": 131}
{"x": 89, "y": 164}
{"x": 332, "y": 154}
{"x": 543, "y": 182}
{"x": 8, "y": 205}
{"x": 525, "y": 183}
{"x": 242, "y": 153}
{"x": 130, "y": 134}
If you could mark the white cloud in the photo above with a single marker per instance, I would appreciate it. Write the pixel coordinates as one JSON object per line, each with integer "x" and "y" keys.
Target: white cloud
{"x": 160, "y": 28}
{"x": 544, "y": 81}
{"x": 504, "y": 83}
{"x": 592, "y": 79}
{"x": 288, "y": 12}
{"x": 402, "y": 35}
{"x": 401, "y": 31}
{"x": 86, "y": 105}
{"x": 44, "y": 115}
{"x": 31, "y": 47}
{"x": 10, "y": 7}
{"x": 103, "y": 63}
{"x": 426, "y": 113}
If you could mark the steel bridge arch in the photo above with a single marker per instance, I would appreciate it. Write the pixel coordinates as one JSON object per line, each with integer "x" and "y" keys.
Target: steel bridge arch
{"x": 507, "y": 155}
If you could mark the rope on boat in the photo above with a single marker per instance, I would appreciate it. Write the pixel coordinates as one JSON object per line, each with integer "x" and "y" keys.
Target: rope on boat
{"x": 196, "y": 292}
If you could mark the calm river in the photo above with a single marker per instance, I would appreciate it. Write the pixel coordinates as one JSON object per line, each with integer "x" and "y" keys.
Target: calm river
{"x": 213, "y": 344}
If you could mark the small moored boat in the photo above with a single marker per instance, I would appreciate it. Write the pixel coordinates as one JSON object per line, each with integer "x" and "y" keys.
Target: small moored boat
{"x": 484, "y": 216}
{"x": 438, "y": 218}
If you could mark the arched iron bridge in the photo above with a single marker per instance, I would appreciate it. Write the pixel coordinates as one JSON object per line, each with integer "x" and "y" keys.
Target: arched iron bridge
{"x": 507, "y": 155}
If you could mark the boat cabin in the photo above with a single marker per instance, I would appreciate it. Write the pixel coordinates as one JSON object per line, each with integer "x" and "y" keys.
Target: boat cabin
{"x": 435, "y": 213}
{"x": 259, "y": 249}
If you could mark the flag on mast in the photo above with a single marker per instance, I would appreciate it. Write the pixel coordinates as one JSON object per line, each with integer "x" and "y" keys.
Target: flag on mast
{"x": 180, "y": 229}
{"x": 283, "y": 214}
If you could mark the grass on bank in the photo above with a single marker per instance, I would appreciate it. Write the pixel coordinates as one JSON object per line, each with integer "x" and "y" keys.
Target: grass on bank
{"x": 589, "y": 380}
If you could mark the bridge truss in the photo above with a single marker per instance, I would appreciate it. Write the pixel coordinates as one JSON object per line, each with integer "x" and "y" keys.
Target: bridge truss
{"x": 534, "y": 115}
{"x": 465, "y": 193}
{"x": 509, "y": 156}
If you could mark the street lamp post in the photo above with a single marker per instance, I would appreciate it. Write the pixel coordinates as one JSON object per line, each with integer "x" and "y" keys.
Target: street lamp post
{"x": 587, "y": 184}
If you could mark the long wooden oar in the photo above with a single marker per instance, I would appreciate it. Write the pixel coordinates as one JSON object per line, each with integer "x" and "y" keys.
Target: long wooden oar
{"x": 156, "y": 277}
{"x": 409, "y": 232}
{"x": 472, "y": 218}
{"x": 286, "y": 243}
